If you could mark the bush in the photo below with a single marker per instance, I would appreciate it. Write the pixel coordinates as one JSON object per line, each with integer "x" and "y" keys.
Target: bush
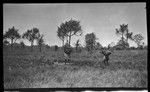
{"x": 118, "y": 48}
{"x": 56, "y": 47}
{"x": 132, "y": 48}
{"x": 68, "y": 49}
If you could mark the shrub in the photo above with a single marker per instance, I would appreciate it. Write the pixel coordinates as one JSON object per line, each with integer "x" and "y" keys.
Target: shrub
{"x": 56, "y": 47}
{"x": 68, "y": 49}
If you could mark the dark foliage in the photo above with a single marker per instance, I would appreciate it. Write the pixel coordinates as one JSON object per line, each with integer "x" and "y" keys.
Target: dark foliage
{"x": 68, "y": 49}
{"x": 90, "y": 40}
{"x": 56, "y": 47}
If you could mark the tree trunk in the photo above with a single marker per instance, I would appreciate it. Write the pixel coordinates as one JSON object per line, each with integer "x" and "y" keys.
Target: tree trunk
{"x": 40, "y": 48}
{"x": 31, "y": 46}
{"x": 127, "y": 42}
{"x": 123, "y": 42}
{"x": 76, "y": 48}
{"x": 62, "y": 42}
{"x": 11, "y": 44}
{"x": 70, "y": 38}
{"x": 122, "y": 37}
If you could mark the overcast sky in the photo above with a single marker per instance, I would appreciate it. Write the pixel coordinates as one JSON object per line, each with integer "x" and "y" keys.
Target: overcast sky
{"x": 100, "y": 18}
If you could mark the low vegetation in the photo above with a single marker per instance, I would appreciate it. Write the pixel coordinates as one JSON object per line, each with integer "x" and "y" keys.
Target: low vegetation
{"x": 26, "y": 69}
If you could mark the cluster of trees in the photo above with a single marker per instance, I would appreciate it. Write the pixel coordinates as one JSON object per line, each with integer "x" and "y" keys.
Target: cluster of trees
{"x": 31, "y": 35}
{"x": 72, "y": 27}
{"x": 123, "y": 43}
{"x": 123, "y": 31}
{"x": 66, "y": 31}
{"x": 91, "y": 43}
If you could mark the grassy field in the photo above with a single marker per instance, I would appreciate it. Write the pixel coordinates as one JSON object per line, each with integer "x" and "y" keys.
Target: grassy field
{"x": 23, "y": 69}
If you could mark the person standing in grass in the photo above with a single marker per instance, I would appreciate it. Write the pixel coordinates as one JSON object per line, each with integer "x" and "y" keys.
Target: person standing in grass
{"x": 106, "y": 54}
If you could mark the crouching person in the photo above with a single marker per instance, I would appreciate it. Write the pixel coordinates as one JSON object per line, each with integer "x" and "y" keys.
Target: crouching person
{"x": 106, "y": 54}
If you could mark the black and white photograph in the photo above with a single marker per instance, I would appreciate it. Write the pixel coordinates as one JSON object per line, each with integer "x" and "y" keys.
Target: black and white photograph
{"x": 75, "y": 45}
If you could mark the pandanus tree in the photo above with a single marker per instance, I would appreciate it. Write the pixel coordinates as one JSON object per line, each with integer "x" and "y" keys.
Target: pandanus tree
{"x": 31, "y": 35}
{"x": 12, "y": 34}
{"x": 69, "y": 29}
{"x": 123, "y": 30}
{"x": 129, "y": 36}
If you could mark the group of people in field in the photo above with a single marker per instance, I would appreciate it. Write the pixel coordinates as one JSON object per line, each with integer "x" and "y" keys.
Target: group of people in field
{"x": 106, "y": 53}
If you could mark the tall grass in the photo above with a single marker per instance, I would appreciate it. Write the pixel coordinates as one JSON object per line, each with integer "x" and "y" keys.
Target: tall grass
{"x": 35, "y": 69}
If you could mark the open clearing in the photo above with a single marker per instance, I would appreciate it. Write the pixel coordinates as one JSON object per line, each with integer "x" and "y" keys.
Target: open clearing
{"x": 22, "y": 69}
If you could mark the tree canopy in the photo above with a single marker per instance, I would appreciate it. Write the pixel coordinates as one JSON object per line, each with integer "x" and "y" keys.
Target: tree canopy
{"x": 12, "y": 34}
{"x": 68, "y": 29}
{"x": 123, "y": 31}
{"x": 90, "y": 40}
{"x": 31, "y": 35}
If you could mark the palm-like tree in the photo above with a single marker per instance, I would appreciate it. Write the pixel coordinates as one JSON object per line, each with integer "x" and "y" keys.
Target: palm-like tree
{"x": 128, "y": 35}
{"x": 31, "y": 35}
{"x": 122, "y": 31}
{"x": 70, "y": 28}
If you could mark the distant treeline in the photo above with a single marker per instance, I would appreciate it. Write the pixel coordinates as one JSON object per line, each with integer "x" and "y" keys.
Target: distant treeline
{"x": 66, "y": 31}
{"x": 58, "y": 48}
